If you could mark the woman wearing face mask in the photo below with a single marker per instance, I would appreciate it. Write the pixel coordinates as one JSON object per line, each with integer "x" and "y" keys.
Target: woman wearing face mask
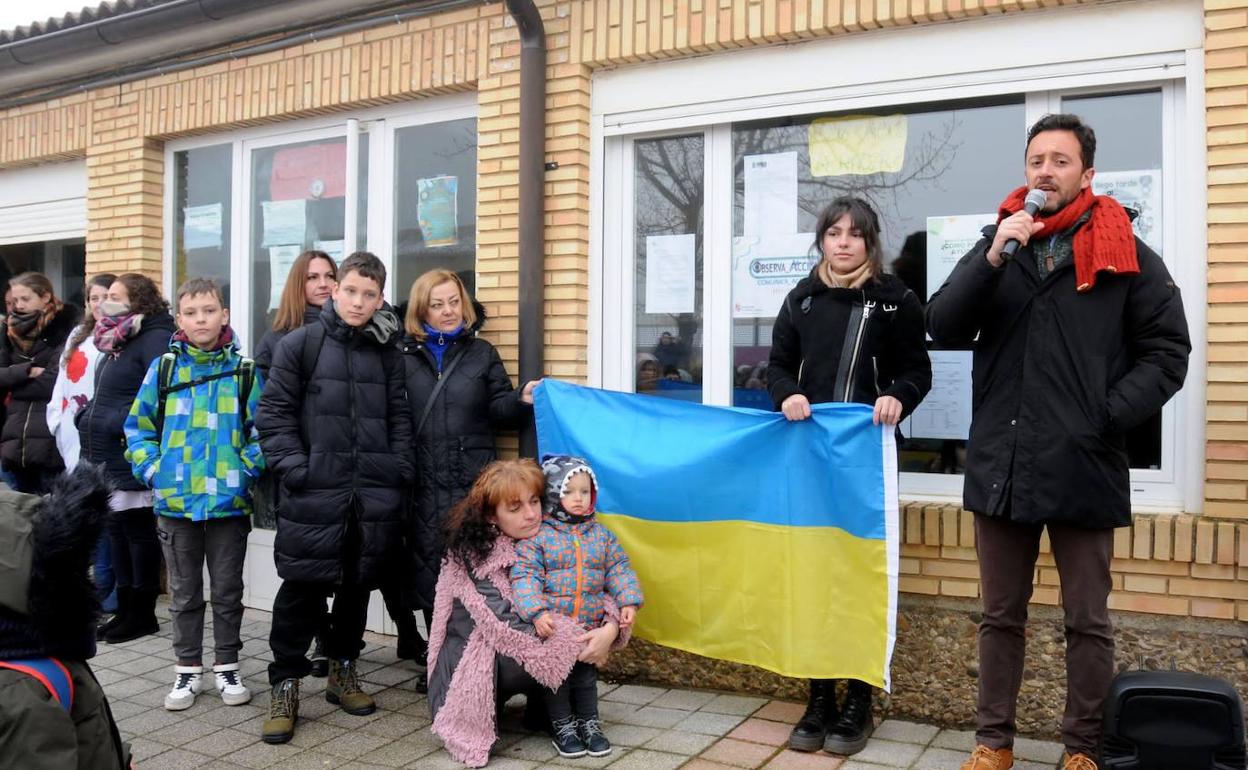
{"x": 847, "y": 332}
{"x": 460, "y": 395}
{"x": 30, "y": 352}
{"x": 75, "y": 385}
{"x": 309, "y": 284}
{"x": 133, "y": 330}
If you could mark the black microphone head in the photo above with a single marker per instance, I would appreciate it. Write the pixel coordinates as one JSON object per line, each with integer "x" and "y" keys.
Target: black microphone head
{"x": 1035, "y": 201}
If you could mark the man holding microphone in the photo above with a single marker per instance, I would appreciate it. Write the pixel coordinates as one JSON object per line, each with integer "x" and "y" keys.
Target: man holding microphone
{"x": 1079, "y": 336}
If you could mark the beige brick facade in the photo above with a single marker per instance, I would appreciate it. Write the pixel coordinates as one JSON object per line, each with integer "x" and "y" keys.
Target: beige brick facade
{"x": 1164, "y": 564}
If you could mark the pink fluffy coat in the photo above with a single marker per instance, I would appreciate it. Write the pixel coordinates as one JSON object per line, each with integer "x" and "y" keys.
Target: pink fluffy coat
{"x": 466, "y": 721}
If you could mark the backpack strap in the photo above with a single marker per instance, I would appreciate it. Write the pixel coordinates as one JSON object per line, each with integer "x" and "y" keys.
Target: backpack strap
{"x": 164, "y": 378}
{"x": 246, "y": 378}
{"x": 50, "y": 673}
{"x": 313, "y": 341}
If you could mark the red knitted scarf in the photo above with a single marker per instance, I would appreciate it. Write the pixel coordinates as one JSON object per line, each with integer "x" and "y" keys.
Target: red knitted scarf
{"x": 1105, "y": 242}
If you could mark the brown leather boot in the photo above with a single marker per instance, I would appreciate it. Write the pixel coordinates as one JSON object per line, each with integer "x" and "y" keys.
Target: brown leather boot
{"x": 984, "y": 758}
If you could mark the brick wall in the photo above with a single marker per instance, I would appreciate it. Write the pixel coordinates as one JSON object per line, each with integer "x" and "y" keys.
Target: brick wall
{"x": 1173, "y": 564}
{"x": 1162, "y": 564}
{"x": 1226, "y": 101}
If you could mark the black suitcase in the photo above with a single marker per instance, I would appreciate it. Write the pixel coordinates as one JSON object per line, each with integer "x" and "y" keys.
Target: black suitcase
{"x": 1172, "y": 720}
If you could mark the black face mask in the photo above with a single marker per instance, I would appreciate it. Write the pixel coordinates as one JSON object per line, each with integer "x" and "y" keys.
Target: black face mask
{"x": 24, "y": 323}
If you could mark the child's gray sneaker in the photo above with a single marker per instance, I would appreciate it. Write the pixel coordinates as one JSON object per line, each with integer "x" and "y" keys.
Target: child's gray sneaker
{"x": 230, "y": 684}
{"x": 567, "y": 741}
{"x": 187, "y": 682}
{"x": 596, "y": 743}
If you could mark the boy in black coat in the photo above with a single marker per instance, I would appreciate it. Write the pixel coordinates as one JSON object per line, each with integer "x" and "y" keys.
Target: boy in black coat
{"x": 334, "y": 425}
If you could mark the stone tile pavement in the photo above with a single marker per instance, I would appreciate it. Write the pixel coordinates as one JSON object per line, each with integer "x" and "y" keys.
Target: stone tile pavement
{"x": 652, "y": 728}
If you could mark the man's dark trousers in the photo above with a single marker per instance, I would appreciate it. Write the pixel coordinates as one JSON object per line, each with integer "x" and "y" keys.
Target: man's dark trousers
{"x": 298, "y": 614}
{"x": 1007, "y": 558}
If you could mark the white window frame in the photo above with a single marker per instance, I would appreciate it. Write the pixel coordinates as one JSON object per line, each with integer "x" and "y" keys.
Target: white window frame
{"x": 379, "y": 123}
{"x": 709, "y": 94}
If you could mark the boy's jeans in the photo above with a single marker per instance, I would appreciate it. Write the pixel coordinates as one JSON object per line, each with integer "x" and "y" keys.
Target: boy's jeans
{"x": 222, "y": 543}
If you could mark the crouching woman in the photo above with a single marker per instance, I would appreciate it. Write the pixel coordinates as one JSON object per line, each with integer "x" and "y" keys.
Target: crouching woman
{"x": 480, "y": 651}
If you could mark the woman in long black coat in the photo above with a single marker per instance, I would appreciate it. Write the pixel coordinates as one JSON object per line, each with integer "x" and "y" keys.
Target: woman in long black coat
{"x": 30, "y": 353}
{"x": 453, "y": 429}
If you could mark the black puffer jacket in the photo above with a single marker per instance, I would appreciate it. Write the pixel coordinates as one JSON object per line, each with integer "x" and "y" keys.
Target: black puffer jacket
{"x": 457, "y": 441}
{"x": 340, "y": 442}
{"x": 1059, "y": 376}
{"x": 25, "y": 441}
{"x": 268, "y": 343}
{"x": 850, "y": 344}
{"x": 117, "y": 379}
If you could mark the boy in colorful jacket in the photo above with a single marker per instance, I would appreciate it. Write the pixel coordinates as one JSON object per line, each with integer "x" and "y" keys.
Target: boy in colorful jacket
{"x": 190, "y": 437}
{"x": 569, "y": 567}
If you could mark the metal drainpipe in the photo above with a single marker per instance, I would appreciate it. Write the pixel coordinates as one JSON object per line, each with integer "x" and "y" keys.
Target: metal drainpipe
{"x": 532, "y": 197}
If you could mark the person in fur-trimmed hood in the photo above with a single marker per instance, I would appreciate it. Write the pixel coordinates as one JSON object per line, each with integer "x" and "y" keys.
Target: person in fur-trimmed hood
{"x": 481, "y": 651}
{"x": 573, "y": 567}
{"x": 53, "y": 713}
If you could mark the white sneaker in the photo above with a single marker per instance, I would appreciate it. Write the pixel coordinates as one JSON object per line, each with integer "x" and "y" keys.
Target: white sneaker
{"x": 188, "y": 681}
{"x": 230, "y": 684}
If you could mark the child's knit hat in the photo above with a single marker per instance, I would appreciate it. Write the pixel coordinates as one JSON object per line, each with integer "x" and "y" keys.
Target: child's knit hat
{"x": 559, "y": 469}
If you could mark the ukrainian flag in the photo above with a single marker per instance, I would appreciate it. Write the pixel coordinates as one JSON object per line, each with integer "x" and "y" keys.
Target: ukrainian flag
{"x": 757, "y": 540}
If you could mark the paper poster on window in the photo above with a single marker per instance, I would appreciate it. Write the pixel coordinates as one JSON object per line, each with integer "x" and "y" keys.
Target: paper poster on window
{"x": 437, "y": 213}
{"x": 332, "y": 248}
{"x": 285, "y": 222}
{"x": 670, "y": 273}
{"x": 771, "y": 194}
{"x": 857, "y": 144}
{"x": 948, "y": 240}
{"x": 765, "y": 269}
{"x": 201, "y": 228}
{"x": 946, "y": 410}
{"x": 1139, "y": 190}
{"x": 281, "y": 259}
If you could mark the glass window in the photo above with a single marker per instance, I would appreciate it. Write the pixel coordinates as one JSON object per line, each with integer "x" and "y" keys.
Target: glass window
{"x": 435, "y": 199}
{"x": 298, "y": 202}
{"x": 1128, "y": 166}
{"x": 74, "y": 272}
{"x": 668, "y": 205}
{"x": 946, "y": 163}
{"x": 201, "y": 233}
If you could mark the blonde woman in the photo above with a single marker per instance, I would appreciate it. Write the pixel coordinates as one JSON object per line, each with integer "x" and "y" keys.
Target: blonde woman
{"x": 460, "y": 395}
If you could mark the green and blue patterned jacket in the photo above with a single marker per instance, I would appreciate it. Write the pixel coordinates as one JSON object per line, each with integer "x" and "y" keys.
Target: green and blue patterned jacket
{"x": 205, "y": 462}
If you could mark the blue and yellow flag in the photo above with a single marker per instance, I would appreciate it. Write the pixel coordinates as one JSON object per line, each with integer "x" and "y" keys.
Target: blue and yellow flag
{"x": 756, "y": 540}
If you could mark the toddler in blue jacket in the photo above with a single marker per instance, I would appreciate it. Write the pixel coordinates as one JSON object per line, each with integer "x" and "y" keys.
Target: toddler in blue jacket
{"x": 570, "y": 567}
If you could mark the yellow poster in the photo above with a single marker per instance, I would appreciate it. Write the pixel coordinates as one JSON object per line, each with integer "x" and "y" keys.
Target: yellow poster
{"x": 857, "y": 144}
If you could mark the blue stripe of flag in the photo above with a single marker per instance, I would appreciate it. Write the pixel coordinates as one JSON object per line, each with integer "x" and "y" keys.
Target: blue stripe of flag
{"x": 666, "y": 460}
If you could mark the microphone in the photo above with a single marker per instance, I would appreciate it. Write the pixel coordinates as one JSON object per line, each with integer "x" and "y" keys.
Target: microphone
{"x": 1034, "y": 202}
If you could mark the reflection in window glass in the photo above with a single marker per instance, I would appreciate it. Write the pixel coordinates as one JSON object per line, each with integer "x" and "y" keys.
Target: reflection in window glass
{"x": 435, "y": 202}
{"x": 938, "y": 160}
{"x": 297, "y": 203}
{"x": 201, "y": 215}
{"x": 668, "y": 207}
{"x": 1128, "y": 166}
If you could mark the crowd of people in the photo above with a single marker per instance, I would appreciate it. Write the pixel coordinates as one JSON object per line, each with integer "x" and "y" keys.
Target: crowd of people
{"x": 371, "y": 431}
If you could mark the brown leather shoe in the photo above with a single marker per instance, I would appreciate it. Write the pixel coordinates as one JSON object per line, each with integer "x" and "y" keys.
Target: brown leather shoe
{"x": 984, "y": 758}
{"x": 1077, "y": 761}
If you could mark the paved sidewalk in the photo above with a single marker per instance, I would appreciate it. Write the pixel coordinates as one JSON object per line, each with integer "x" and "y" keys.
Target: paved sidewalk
{"x": 652, "y": 728}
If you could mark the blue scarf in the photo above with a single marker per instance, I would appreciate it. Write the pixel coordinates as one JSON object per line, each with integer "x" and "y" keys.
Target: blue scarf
{"x": 438, "y": 341}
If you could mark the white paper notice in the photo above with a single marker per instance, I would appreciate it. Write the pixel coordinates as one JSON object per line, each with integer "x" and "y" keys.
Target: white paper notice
{"x": 765, "y": 269}
{"x": 284, "y": 222}
{"x": 332, "y": 248}
{"x": 201, "y": 228}
{"x": 670, "y": 273}
{"x": 946, "y": 410}
{"x": 771, "y": 194}
{"x": 1139, "y": 190}
{"x": 948, "y": 240}
{"x": 281, "y": 258}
